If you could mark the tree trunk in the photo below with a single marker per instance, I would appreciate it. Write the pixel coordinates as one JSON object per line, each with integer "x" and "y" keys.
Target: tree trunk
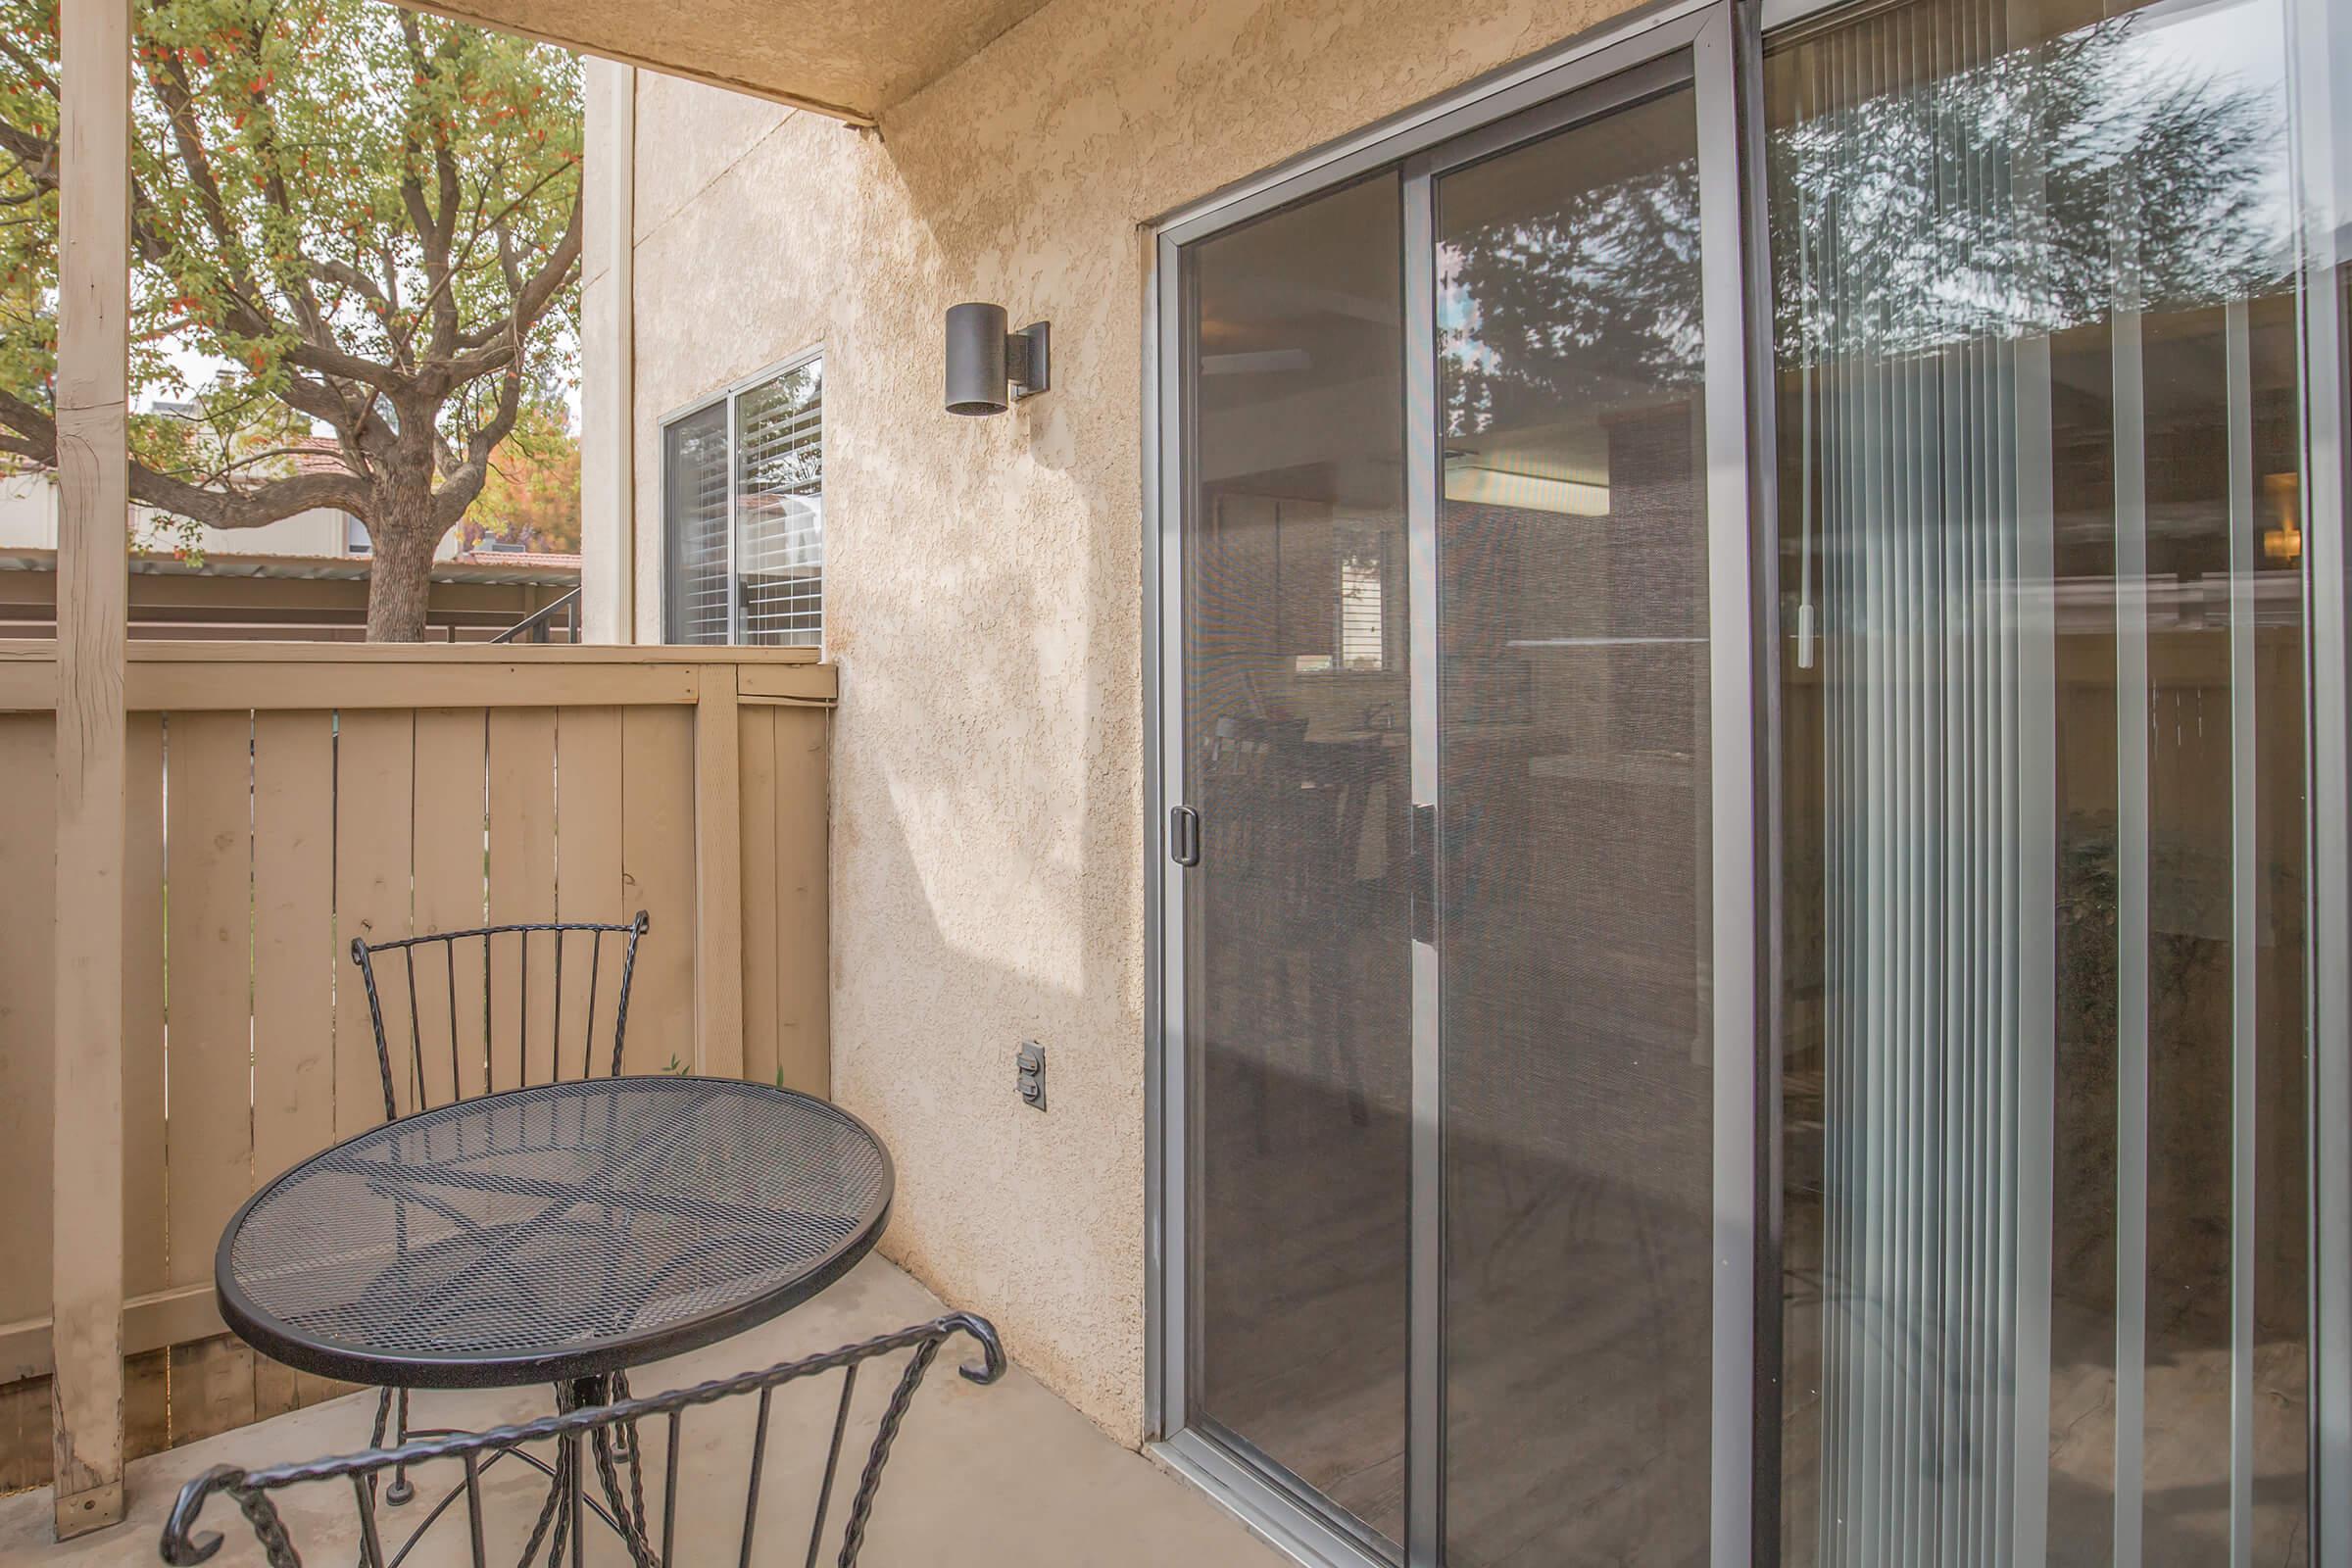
{"x": 401, "y": 574}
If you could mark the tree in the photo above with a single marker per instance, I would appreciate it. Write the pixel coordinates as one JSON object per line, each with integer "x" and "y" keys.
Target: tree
{"x": 532, "y": 497}
{"x": 373, "y": 218}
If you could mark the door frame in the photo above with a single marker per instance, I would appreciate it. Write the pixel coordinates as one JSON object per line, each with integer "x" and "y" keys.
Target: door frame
{"x": 1529, "y": 95}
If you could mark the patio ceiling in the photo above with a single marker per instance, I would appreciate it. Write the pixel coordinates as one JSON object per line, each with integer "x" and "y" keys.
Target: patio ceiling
{"x": 851, "y": 59}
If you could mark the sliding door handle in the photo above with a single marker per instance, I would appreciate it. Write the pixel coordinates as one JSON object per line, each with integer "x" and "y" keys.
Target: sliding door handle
{"x": 1184, "y": 835}
{"x": 1425, "y": 873}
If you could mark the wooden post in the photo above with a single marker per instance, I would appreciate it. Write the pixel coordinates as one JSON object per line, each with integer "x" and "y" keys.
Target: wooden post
{"x": 92, "y": 606}
{"x": 717, "y": 877}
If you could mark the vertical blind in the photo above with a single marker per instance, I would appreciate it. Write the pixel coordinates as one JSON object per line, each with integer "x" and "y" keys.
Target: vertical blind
{"x": 694, "y": 501}
{"x": 2033, "y": 276}
{"x": 744, "y": 486}
{"x": 1938, "y": 770}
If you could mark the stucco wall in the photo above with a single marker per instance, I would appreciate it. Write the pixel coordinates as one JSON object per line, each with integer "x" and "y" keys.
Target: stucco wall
{"x": 983, "y": 575}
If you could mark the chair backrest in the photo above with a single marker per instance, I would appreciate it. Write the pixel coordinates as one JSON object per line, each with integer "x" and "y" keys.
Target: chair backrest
{"x": 606, "y": 1437}
{"x": 453, "y": 963}
{"x": 1278, "y": 807}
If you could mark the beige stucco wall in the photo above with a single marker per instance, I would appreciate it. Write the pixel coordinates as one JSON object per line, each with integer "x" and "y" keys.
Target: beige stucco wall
{"x": 983, "y": 575}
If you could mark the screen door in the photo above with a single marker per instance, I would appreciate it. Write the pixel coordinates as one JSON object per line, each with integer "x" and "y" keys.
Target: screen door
{"x": 1460, "y": 798}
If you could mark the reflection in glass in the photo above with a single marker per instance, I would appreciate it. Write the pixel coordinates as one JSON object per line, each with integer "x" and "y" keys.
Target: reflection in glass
{"x": 2042, "y": 795}
{"x": 1298, "y": 984}
{"x": 1577, "y": 1097}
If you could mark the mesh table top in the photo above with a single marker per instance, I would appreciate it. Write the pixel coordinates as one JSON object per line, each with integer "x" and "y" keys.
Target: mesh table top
{"x": 553, "y": 1233}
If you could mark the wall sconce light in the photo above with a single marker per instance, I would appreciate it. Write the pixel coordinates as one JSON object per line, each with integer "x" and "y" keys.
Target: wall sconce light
{"x": 986, "y": 362}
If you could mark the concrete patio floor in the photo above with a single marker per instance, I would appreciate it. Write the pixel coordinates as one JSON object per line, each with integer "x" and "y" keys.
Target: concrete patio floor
{"x": 1002, "y": 1475}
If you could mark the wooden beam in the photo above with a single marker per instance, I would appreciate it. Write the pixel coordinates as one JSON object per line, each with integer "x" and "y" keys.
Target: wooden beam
{"x": 192, "y": 676}
{"x": 156, "y": 1321}
{"x": 552, "y": 655}
{"x": 188, "y": 686}
{"x": 92, "y": 616}
{"x": 717, "y": 878}
{"x": 810, "y": 684}
{"x": 27, "y": 686}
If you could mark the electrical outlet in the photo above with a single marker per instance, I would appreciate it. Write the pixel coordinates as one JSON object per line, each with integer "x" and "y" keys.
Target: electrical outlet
{"x": 1032, "y": 1080}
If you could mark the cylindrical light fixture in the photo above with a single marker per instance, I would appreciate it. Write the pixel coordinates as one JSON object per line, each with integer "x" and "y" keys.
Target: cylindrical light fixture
{"x": 988, "y": 367}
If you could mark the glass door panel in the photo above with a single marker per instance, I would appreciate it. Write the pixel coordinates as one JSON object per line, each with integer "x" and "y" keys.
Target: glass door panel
{"x": 1298, "y": 981}
{"x": 2045, "y": 1269}
{"x": 1457, "y": 519}
{"x": 1574, "y": 794}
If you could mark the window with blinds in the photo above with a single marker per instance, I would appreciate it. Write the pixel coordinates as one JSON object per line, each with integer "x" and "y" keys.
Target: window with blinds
{"x": 744, "y": 514}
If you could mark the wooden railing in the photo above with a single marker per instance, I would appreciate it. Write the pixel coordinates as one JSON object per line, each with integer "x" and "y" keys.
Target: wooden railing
{"x": 285, "y": 798}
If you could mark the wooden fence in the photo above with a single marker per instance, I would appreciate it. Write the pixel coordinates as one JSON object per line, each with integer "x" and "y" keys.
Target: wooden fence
{"x": 284, "y": 798}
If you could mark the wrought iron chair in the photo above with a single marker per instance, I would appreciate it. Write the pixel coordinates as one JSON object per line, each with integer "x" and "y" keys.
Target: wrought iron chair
{"x": 426, "y": 1042}
{"x": 610, "y": 1434}
{"x": 441, "y": 950}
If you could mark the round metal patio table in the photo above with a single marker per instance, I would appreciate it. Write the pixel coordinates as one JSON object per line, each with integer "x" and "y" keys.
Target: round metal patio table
{"x": 552, "y": 1235}
{"x": 561, "y": 1233}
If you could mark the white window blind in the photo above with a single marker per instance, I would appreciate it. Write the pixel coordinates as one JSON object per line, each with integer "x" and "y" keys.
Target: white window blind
{"x": 743, "y": 498}
{"x": 780, "y": 508}
{"x": 694, "y": 475}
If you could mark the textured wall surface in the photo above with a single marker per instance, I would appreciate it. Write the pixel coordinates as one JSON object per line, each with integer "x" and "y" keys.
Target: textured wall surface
{"x": 855, "y": 60}
{"x": 983, "y": 576}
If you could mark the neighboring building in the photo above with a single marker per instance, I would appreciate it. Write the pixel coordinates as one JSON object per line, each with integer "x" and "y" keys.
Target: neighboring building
{"x": 29, "y": 522}
{"x": 1823, "y": 1062}
{"x": 303, "y": 578}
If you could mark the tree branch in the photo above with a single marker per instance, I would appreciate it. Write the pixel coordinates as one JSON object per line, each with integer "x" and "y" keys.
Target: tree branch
{"x": 465, "y": 481}
{"x": 543, "y": 286}
{"x": 32, "y": 434}
{"x": 433, "y": 230}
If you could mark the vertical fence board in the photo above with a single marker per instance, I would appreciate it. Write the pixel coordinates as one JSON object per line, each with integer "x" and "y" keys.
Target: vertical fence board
{"x": 208, "y": 844}
{"x": 449, "y": 857}
{"x": 27, "y": 996}
{"x": 656, "y": 861}
{"x": 588, "y": 877}
{"x": 277, "y": 1389}
{"x": 293, "y": 939}
{"x": 757, "y": 757}
{"x": 523, "y": 889}
{"x": 208, "y": 1012}
{"x": 146, "y": 1397}
{"x": 143, "y": 1166}
{"x": 803, "y": 976}
{"x": 373, "y": 760}
{"x": 212, "y": 1387}
{"x": 25, "y": 1451}
{"x": 718, "y": 875}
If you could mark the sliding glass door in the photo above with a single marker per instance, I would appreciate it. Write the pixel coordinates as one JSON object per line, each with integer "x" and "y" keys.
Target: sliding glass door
{"x": 1297, "y": 913}
{"x": 1574, "y": 938}
{"x": 1457, "y": 519}
{"x": 1799, "y": 1024}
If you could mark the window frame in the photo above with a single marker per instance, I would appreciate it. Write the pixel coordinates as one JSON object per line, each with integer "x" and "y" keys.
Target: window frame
{"x": 731, "y": 396}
